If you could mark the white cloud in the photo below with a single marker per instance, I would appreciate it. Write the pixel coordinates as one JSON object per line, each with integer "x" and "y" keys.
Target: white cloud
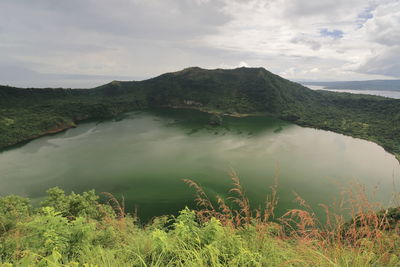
{"x": 384, "y": 27}
{"x": 338, "y": 36}
{"x": 342, "y": 39}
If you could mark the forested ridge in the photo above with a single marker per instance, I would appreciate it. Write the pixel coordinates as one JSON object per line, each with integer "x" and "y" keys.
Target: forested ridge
{"x": 29, "y": 113}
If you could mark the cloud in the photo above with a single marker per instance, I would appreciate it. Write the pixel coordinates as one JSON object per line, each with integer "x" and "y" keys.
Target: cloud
{"x": 99, "y": 37}
{"x": 131, "y": 18}
{"x": 386, "y": 62}
{"x": 24, "y": 77}
{"x": 366, "y": 14}
{"x": 313, "y": 44}
{"x": 382, "y": 31}
{"x": 142, "y": 38}
{"x": 335, "y": 36}
{"x": 384, "y": 27}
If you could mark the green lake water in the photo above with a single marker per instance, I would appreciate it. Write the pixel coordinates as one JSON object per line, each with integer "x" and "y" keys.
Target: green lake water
{"x": 145, "y": 155}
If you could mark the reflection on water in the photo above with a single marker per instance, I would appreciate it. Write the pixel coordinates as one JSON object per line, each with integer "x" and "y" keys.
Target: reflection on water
{"x": 145, "y": 156}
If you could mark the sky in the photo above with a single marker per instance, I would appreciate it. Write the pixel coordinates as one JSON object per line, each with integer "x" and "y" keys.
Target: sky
{"x": 86, "y": 43}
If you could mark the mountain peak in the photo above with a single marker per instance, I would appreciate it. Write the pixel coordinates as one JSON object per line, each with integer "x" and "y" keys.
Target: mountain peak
{"x": 197, "y": 69}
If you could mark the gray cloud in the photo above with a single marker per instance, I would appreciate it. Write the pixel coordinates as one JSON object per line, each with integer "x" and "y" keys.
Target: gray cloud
{"x": 82, "y": 43}
{"x": 313, "y": 44}
{"x": 385, "y": 63}
{"x": 100, "y": 37}
{"x": 136, "y": 18}
{"x": 317, "y": 8}
{"x": 25, "y": 77}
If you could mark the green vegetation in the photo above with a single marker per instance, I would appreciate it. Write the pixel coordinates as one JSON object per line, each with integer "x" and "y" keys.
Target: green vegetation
{"x": 81, "y": 230}
{"x": 28, "y": 113}
{"x": 215, "y": 119}
{"x": 86, "y": 230}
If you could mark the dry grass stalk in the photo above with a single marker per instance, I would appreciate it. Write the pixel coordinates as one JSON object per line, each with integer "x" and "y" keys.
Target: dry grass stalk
{"x": 118, "y": 207}
{"x": 336, "y": 232}
{"x": 244, "y": 214}
{"x": 228, "y": 216}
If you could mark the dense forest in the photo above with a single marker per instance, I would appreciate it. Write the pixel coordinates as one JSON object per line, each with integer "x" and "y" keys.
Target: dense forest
{"x": 28, "y": 113}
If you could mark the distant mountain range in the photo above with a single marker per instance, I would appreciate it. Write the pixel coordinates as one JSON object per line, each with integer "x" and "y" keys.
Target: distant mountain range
{"x": 29, "y": 113}
{"x": 379, "y": 85}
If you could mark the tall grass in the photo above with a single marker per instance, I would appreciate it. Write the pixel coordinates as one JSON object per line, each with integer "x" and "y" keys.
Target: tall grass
{"x": 354, "y": 229}
{"x": 220, "y": 232}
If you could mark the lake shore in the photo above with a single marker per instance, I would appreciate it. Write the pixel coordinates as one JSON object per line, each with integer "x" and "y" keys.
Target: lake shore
{"x": 161, "y": 146}
{"x": 74, "y": 124}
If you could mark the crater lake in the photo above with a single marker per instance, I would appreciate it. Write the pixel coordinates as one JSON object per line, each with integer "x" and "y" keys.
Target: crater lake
{"x": 143, "y": 156}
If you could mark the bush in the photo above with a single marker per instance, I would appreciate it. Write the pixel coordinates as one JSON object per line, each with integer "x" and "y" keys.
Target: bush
{"x": 75, "y": 205}
{"x": 12, "y": 209}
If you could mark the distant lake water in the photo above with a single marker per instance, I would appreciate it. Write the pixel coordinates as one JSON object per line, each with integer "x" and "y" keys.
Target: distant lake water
{"x": 145, "y": 155}
{"x": 391, "y": 94}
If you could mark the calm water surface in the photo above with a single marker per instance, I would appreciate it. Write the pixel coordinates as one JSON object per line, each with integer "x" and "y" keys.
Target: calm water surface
{"x": 385, "y": 93}
{"x": 145, "y": 156}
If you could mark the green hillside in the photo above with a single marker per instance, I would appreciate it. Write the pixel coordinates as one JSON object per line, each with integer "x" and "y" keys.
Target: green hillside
{"x": 28, "y": 113}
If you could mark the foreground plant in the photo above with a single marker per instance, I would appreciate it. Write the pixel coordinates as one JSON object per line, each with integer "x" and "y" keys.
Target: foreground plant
{"x": 78, "y": 230}
{"x": 354, "y": 230}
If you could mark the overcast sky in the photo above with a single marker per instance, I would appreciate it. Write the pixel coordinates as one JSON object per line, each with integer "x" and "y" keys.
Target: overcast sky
{"x": 84, "y": 43}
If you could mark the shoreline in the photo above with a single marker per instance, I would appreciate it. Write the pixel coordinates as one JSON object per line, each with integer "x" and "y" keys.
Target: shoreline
{"x": 31, "y": 138}
{"x": 218, "y": 112}
{"x": 243, "y": 115}
{"x": 74, "y": 124}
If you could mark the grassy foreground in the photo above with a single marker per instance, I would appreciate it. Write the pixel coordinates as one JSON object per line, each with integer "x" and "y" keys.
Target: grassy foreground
{"x": 78, "y": 230}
